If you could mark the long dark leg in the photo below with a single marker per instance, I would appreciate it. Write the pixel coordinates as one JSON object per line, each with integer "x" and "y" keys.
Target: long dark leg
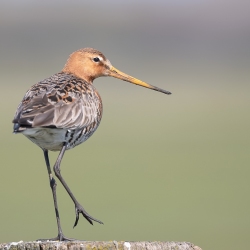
{"x": 52, "y": 181}
{"x": 78, "y": 207}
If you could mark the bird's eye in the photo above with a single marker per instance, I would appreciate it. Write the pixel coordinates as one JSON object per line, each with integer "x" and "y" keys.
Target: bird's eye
{"x": 96, "y": 59}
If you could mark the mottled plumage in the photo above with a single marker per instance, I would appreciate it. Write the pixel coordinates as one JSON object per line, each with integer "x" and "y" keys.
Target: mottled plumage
{"x": 64, "y": 110}
{"x": 60, "y": 108}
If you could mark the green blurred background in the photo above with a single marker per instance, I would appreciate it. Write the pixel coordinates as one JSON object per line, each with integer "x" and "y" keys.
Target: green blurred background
{"x": 169, "y": 168}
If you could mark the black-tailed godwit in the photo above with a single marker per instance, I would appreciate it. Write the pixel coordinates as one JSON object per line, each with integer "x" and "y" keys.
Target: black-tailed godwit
{"x": 64, "y": 110}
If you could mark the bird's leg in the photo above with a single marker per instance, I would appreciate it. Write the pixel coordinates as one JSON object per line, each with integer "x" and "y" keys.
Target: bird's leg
{"x": 60, "y": 236}
{"x": 78, "y": 207}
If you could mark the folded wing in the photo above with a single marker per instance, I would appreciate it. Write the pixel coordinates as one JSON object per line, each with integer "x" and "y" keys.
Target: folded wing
{"x": 61, "y": 102}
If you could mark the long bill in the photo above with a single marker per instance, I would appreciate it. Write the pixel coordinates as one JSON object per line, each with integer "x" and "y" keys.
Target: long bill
{"x": 120, "y": 75}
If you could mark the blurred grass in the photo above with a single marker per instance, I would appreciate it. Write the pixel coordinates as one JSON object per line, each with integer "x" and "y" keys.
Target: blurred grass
{"x": 159, "y": 167}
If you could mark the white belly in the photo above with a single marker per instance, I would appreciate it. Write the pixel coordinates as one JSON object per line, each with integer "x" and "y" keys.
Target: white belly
{"x": 46, "y": 138}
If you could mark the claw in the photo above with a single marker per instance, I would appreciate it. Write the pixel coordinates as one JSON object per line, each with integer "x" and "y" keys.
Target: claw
{"x": 79, "y": 209}
{"x": 77, "y": 217}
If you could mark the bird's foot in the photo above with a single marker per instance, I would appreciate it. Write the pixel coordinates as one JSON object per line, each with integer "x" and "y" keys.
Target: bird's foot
{"x": 79, "y": 209}
{"x": 60, "y": 237}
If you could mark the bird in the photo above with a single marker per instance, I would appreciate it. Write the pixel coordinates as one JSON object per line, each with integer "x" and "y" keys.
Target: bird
{"x": 63, "y": 111}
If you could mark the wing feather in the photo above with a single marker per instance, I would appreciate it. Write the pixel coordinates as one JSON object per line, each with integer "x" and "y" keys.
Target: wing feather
{"x": 47, "y": 105}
